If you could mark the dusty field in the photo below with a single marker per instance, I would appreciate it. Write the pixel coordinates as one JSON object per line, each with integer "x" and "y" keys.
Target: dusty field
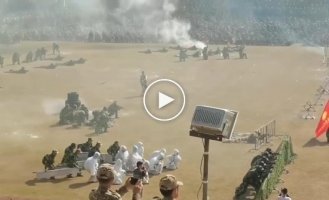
{"x": 273, "y": 83}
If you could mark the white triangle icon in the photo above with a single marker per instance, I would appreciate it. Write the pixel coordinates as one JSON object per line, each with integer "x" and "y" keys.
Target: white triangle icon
{"x": 164, "y": 100}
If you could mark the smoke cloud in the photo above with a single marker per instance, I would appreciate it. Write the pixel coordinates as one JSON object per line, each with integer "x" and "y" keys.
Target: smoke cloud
{"x": 156, "y": 18}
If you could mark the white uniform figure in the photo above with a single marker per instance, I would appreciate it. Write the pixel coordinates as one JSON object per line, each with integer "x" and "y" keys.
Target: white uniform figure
{"x": 91, "y": 165}
{"x": 119, "y": 173}
{"x": 162, "y": 151}
{"x": 133, "y": 158}
{"x": 140, "y": 150}
{"x": 173, "y": 160}
{"x": 156, "y": 164}
{"x": 123, "y": 155}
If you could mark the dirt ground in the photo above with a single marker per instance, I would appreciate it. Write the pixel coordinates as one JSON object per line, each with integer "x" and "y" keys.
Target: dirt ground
{"x": 273, "y": 83}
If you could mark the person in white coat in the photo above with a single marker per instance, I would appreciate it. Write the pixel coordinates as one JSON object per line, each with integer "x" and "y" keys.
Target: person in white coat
{"x": 140, "y": 150}
{"x": 134, "y": 157}
{"x": 173, "y": 160}
{"x": 156, "y": 164}
{"x": 91, "y": 165}
{"x": 123, "y": 155}
{"x": 120, "y": 174}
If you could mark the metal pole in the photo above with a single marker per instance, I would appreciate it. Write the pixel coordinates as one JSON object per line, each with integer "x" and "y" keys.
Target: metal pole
{"x": 205, "y": 170}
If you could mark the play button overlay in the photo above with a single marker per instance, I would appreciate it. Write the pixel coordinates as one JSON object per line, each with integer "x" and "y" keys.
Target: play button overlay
{"x": 164, "y": 100}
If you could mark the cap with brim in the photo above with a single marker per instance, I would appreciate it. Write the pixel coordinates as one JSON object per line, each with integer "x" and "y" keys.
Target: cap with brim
{"x": 169, "y": 182}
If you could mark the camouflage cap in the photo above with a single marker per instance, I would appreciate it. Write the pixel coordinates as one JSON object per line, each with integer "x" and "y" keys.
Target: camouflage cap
{"x": 54, "y": 152}
{"x": 105, "y": 172}
{"x": 169, "y": 182}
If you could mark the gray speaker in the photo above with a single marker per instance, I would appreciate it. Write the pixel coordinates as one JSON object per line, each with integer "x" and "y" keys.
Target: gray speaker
{"x": 213, "y": 123}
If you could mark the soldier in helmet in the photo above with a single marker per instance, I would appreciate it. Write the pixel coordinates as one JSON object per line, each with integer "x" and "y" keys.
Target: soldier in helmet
{"x": 49, "y": 160}
{"x": 29, "y": 57}
{"x": 43, "y": 53}
{"x": 105, "y": 176}
{"x": 114, "y": 109}
{"x": 86, "y": 147}
{"x": 205, "y": 53}
{"x": 37, "y": 55}
{"x": 64, "y": 114}
{"x": 94, "y": 149}
{"x": 68, "y": 151}
{"x": 16, "y": 59}
{"x": 143, "y": 82}
{"x": 56, "y": 48}
{"x": 102, "y": 121}
{"x": 1, "y": 61}
{"x": 113, "y": 150}
{"x": 72, "y": 162}
{"x": 182, "y": 55}
{"x": 226, "y": 54}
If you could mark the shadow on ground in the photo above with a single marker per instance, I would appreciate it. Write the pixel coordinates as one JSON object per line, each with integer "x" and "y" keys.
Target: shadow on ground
{"x": 34, "y": 182}
{"x": 314, "y": 142}
{"x": 78, "y": 185}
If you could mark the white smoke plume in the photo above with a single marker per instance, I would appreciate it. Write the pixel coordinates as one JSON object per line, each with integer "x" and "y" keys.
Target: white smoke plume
{"x": 155, "y": 17}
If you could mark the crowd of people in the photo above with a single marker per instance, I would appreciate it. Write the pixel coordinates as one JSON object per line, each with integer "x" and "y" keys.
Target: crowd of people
{"x": 262, "y": 22}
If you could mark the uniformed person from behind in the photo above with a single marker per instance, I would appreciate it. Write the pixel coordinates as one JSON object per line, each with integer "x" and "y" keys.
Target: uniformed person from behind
{"x": 205, "y": 53}
{"x": 114, "y": 109}
{"x": 49, "y": 160}
{"x": 56, "y": 48}
{"x": 169, "y": 188}
{"x": 105, "y": 177}
{"x": 143, "y": 82}
{"x": 29, "y": 57}
{"x": 113, "y": 150}
{"x": 1, "y": 61}
{"x": 68, "y": 151}
{"x": 72, "y": 162}
{"x": 182, "y": 55}
{"x": 226, "y": 54}
{"x": 85, "y": 109}
{"x": 16, "y": 59}
{"x": 96, "y": 148}
{"x": 86, "y": 147}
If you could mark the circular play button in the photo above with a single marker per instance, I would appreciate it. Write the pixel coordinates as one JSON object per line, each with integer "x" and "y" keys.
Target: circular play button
{"x": 164, "y": 100}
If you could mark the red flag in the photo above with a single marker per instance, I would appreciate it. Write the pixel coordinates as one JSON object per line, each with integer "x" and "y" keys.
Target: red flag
{"x": 323, "y": 124}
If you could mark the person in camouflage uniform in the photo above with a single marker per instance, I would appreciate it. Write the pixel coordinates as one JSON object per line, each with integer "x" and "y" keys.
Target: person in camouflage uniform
{"x": 94, "y": 149}
{"x": 43, "y": 53}
{"x": 105, "y": 177}
{"x": 72, "y": 162}
{"x": 87, "y": 146}
{"x": 49, "y": 160}
{"x": 182, "y": 55}
{"x": 56, "y": 48}
{"x": 1, "y": 61}
{"x": 68, "y": 152}
{"x": 205, "y": 53}
{"x": 143, "y": 82}
{"x": 102, "y": 122}
{"x": 29, "y": 57}
{"x": 65, "y": 116}
{"x": 169, "y": 188}
{"x": 16, "y": 59}
{"x": 113, "y": 150}
{"x": 113, "y": 109}
{"x": 85, "y": 109}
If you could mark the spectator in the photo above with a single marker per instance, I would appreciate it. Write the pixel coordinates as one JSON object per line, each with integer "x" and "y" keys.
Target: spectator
{"x": 169, "y": 187}
{"x": 105, "y": 177}
{"x": 284, "y": 195}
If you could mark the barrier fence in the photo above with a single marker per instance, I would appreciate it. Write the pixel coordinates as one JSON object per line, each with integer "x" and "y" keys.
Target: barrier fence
{"x": 264, "y": 133}
{"x": 284, "y": 157}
